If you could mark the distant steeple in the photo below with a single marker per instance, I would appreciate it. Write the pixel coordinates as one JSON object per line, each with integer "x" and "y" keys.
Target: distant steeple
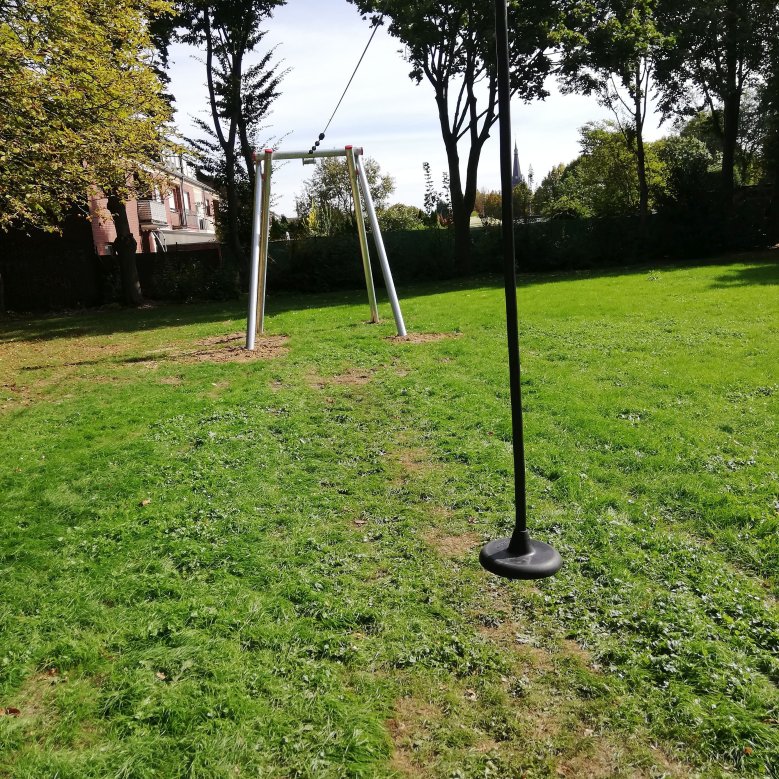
{"x": 516, "y": 174}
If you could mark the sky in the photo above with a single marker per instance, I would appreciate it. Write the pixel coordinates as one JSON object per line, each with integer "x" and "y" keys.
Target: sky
{"x": 384, "y": 111}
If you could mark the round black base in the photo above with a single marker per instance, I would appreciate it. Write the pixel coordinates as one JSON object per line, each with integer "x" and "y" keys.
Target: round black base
{"x": 541, "y": 561}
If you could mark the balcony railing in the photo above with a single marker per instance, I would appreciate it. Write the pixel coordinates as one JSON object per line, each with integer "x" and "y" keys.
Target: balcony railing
{"x": 188, "y": 220}
{"x": 152, "y": 212}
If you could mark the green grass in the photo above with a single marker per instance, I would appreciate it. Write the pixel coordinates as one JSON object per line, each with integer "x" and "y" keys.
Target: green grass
{"x": 269, "y": 568}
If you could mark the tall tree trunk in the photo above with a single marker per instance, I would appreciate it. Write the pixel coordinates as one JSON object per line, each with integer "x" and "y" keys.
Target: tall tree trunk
{"x": 460, "y": 220}
{"x": 643, "y": 187}
{"x": 731, "y": 105}
{"x": 233, "y": 237}
{"x": 125, "y": 247}
{"x": 462, "y": 199}
{"x": 2, "y": 295}
{"x": 227, "y": 143}
{"x": 731, "y": 111}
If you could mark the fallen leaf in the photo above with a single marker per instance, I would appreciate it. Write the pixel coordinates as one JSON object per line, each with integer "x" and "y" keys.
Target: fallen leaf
{"x": 145, "y": 502}
{"x": 360, "y": 522}
{"x": 10, "y": 711}
{"x": 748, "y": 750}
{"x": 471, "y": 695}
{"x": 160, "y": 675}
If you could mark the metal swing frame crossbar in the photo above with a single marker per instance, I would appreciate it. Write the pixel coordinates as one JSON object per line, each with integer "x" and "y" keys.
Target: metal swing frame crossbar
{"x": 261, "y": 228}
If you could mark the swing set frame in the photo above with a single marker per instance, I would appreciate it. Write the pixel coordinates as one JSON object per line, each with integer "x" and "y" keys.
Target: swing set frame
{"x": 361, "y": 194}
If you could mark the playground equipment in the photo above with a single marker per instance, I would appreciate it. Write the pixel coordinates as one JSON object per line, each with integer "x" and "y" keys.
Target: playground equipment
{"x": 261, "y": 228}
{"x": 520, "y": 556}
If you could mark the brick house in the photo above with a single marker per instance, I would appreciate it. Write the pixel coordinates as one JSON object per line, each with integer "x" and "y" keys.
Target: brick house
{"x": 184, "y": 216}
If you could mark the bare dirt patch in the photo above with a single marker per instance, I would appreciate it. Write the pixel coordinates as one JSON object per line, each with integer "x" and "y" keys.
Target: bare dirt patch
{"x": 172, "y": 380}
{"x": 453, "y": 546}
{"x": 216, "y": 340}
{"x": 265, "y": 349}
{"x": 414, "y": 460}
{"x": 421, "y": 338}
{"x": 34, "y": 699}
{"x": 351, "y": 378}
{"x": 412, "y": 721}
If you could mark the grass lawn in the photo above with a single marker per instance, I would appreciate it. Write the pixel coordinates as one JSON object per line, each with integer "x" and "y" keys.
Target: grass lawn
{"x": 219, "y": 567}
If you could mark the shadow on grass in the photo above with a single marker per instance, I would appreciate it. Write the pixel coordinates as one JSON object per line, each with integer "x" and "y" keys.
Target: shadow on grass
{"x": 112, "y": 320}
{"x": 765, "y": 274}
{"x": 763, "y": 269}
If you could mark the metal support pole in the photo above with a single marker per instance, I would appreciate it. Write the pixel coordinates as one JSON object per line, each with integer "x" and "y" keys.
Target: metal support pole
{"x": 518, "y": 557}
{"x": 366, "y": 259}
{"x": 251, "y": 322}
{"x": 385, "y": 268}
{"x": 264, "y": 234}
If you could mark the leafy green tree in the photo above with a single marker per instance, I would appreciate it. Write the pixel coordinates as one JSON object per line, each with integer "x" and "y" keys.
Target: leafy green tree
{"x": 326, "y": 203}
{"x": 719, "y": 48}
{"x": 239, "y": 96}
{"x": 522, "y": 200}
{"x": 549, "y": 191}
{"x": 80, "y": 107}
{"x": 401, "y": 217}
{"x": 613, "y": 56}
{"x": 603, "y": 180}
{"x": 235, "y": 172}
{"x": 707, "y": 126}
{"x": 451, "y": 44}
{"x": 686, "y": 164}
{"x": 488, "y": 205}
{"x": 489, "y": 208}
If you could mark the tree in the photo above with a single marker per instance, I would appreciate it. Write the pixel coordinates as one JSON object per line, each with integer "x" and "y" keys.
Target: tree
{"x": 769, "y": 153}
{"x": 522, "y": 200}
{"x": 719, "y": 47}
{"x": 549, "y": 191}
{"x": 450, "y": 43}
{"x": 401, "y": 217}
{"x": 326, "y": 201}
{"x": 614, "y": 55}
{"x": 686, "y": 162}
{"x": 488, "y": 206}
{"x": 707, "y": 126}
{"x": 80, "y": 108}
{"x": 235, "y": 172}
{"x": 603, "y": 180}
{"x": 239, "y": 96}
{"x": 438, "y": 206}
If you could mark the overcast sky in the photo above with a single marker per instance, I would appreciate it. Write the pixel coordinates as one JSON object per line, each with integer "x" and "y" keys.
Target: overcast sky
{"x": 393, "y": 119}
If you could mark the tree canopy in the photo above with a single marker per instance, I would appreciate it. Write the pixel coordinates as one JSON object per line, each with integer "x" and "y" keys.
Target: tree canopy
{"x": 80, "y": 104}
{"x": 451, "y": 44}
{"x": 239, "y": 95}
{"x": 718, "y": 47}
{"x": 326, "y": 204}
{"x": 613, "y": 56}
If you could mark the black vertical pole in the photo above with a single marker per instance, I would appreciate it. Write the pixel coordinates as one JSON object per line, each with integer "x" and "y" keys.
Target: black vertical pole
{"x": 518, "y": 557}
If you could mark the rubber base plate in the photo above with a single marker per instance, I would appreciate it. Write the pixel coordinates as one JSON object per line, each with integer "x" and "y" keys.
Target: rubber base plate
{"x": 540, "y": 562}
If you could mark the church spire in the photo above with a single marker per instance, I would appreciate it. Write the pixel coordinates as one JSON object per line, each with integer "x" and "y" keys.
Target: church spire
{"x": 516, "y": 173}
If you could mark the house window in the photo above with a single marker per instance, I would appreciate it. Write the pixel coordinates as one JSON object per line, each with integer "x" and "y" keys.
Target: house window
{"x": 173, "y": 199}
{"x": 157, "y": 197}
{"x": 187, "y": 204}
